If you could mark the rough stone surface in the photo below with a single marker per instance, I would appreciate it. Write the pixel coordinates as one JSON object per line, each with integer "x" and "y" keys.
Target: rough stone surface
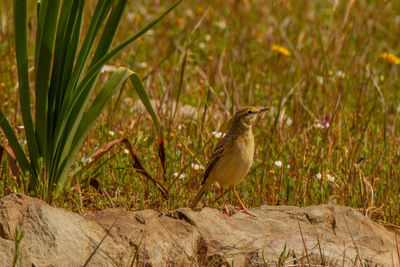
{"x": 53, "y": 236}
{"x": 327, "y": 235}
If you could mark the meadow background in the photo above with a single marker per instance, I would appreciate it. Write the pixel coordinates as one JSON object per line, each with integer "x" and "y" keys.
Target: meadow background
{"x": 327, "y": 69}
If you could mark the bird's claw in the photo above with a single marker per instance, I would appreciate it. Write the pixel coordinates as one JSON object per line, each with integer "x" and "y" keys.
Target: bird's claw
{"x": 227, "y": 211}
{"x": 244, "y": 211}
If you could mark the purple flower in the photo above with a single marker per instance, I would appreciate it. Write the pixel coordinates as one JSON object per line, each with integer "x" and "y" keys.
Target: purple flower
{"x": 322, "y": 124}
{"x": 325, "y": 124}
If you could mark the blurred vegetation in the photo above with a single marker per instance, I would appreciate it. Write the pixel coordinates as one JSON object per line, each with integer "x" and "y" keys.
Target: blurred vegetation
{"x": 332, "y": 135}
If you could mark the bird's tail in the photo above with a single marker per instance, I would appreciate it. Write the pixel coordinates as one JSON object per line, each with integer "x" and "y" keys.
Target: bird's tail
{"x": 203, "y": 189}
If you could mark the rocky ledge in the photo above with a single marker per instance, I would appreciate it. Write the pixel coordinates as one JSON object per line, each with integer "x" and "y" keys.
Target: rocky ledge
{"x": 328, "y": 235}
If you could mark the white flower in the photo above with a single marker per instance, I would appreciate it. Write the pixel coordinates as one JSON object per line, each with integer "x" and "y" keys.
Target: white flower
{"x": 126, "y": 151}
{"x": 288, "y": 166}
{"x": 320, "y": 125}
{"x": 289, "y": 121}
{"x": 111, "y": 133}
{"x": 180, "y": 176}
{"x": 189, "y": 12}
{"x": 340, "y": 74}
{"x": 150, "y": 32}
{"x": 86, "y": 160}
{"x": 197, "y": 167}
{"x": 317, "y": 125}
{"x": 108, "y": 68}
{"x": 327, "y": 177}
{"x": 130, "y": 16}
{"x": 202, "y": 45}
{"x": 21, "y": 127}
{"x": 278, "y": 163}
{"x": 330, "y": 178}
{"x": 320, "y": 80}
{"x": 142, "y": 65}
{"x": 207, "y": 37}
{"x": 218, "y": 134}
{"x": 221, "y": 24}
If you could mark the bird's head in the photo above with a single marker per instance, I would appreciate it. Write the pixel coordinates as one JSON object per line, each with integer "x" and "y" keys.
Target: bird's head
{"x": 246, "y": 116}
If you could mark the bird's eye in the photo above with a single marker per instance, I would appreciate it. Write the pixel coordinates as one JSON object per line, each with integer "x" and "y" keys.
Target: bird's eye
{"x": 249, "y": 112}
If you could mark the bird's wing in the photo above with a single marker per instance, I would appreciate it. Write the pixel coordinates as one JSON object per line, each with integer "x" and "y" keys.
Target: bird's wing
{"x": 216, "y": 155}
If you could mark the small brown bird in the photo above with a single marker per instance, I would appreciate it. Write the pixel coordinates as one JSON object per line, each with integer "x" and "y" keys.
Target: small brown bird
{"x": 232, "y": 157}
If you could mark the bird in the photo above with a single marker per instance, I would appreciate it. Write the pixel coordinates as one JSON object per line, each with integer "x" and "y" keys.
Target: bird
{"x": 232, "y": 157}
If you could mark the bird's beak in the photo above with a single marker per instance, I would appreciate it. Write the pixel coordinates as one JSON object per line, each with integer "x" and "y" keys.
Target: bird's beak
{"x": 263, "y": 110}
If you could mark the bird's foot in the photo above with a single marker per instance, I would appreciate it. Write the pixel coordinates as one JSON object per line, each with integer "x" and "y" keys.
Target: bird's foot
{"x": 227, "y": 211}
{"x": 248, "y": 213}
{"x": 244, "y": 211}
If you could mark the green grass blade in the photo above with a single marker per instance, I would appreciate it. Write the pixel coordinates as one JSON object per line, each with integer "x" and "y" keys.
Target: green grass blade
{"x": 110, "y": 29}
{"x": 90, "y": 78}
{"x": 21, "y": 49}
{"x": 42, "y": 71}
{"x": 138, "y": 85}
{"x": 65, "y": 52}
{"x": 105, "y": 42}
{"x": 15, "y": 145}
{"x": 74, "y": 30}
{"x": 116, "y": 50}
{"x": 59, "y": 60}
{"x": 102, "y": 10}
{"x": 41, "y": 15}
{"x": 94, "y": 111}
{"x": 81, "y": 128}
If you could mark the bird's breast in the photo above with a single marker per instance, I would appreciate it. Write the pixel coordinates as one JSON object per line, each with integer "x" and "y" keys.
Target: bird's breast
{"x": 233, "y": 166}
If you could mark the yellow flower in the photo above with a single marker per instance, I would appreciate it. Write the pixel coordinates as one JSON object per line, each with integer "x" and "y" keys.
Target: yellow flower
{"x": 281, "y": 50}
{"x": 178, "y": 21}
{"x": 390, "y": 58}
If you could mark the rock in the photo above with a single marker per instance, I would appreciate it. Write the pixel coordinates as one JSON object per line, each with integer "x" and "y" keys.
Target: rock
{"x": 53, "y": 236}
{"x": 327, "y": 235}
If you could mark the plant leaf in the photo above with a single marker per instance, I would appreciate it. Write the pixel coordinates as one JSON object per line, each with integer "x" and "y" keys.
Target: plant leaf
{"x": 48, "y": 12}
{"x": 21, "y": 49}
{"x": 15, "y": 145}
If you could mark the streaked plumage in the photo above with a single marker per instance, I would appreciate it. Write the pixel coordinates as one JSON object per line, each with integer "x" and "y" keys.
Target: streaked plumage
{"x": 233, "y": 155}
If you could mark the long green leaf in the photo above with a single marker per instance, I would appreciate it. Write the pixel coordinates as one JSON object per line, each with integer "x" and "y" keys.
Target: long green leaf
{"x": 42, "y": 71}
{"x": 94, "y": 111}
{"x": 110, "y": 29}
{"x": 15, "y": 145}
{"x": 102, "y": 9}
{"x": 73, "y": 33}
{"x": 74, "y": 143}
{"x": 85, "y": 86}
{"x": 68, "y": 49}
{"x": 138, "y": 85}
{"x": 59, "y": 60}
{"x": 23, "y": 80}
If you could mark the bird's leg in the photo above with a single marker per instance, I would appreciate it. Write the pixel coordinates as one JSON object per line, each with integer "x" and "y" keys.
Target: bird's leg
{"x": 225, "y": 209}
{"x": 241, "y": 203}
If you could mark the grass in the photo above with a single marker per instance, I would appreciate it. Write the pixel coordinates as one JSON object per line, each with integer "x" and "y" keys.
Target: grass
{"x": 215, "y": 55}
